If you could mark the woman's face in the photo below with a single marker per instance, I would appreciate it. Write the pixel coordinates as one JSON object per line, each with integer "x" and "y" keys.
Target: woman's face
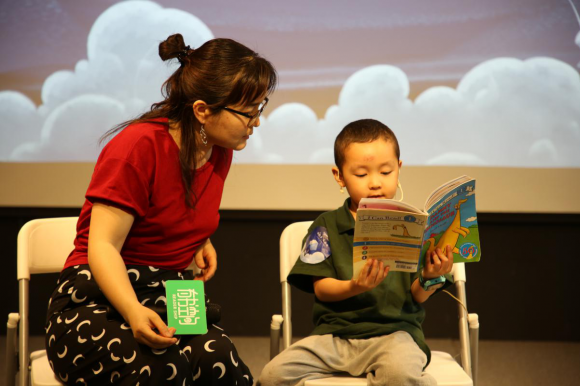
{"x": 229, "y": 130}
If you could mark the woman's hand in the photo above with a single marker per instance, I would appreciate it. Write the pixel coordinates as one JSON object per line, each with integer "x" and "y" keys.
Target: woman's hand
{"x": 149, "y": 329}
{"x": 206, "y": 260}
{"x": 438, "y": 263}
{"x": 372, "y": 274}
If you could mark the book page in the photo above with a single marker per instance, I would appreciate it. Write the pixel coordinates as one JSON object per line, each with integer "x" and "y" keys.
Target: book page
{"x": 393, "y": 237}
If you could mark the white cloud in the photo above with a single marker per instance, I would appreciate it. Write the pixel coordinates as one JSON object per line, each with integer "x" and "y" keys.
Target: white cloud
{"x": 471, "y": 219}
{"x": 121, "y": 78}
{"x": 504, "y": 112}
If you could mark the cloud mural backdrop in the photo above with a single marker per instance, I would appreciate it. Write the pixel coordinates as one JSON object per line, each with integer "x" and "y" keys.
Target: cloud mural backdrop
{"x": 503, "y": 112}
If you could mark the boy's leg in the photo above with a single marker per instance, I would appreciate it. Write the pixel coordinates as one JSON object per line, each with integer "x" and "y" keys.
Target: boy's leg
{"x": 314, "y": 357}
{"x": 393, "y": 359}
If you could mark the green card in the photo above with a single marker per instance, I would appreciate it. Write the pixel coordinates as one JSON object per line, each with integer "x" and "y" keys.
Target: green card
{"x": 186, "y": 306}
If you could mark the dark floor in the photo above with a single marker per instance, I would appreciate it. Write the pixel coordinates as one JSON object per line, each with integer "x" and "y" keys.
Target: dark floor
{"x": 501, "y": 363}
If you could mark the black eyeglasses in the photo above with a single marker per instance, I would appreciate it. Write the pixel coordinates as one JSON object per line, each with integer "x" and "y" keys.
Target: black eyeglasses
{"x": 253, "y": 118}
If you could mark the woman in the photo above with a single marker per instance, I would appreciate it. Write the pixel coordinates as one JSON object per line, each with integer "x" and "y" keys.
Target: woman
{"x": 150, "y": 209}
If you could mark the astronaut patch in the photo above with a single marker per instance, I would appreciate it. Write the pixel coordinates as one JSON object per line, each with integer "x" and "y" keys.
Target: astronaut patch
{"x": 317, "y": 247}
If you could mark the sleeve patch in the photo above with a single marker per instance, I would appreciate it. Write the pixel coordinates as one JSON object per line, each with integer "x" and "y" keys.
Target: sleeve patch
{"x": 317, "y": 247}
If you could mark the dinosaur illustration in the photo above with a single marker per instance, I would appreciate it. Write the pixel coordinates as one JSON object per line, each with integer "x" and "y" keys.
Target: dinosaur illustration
{"x": 405, "y": 231}
{"x": 451, "y": 234}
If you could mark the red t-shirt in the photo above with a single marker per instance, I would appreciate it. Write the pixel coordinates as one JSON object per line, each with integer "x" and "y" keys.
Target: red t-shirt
{"x": 138, "y": 171}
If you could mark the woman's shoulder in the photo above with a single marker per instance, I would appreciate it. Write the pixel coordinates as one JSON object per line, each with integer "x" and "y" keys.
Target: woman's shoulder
{"x": 139, "y": 136}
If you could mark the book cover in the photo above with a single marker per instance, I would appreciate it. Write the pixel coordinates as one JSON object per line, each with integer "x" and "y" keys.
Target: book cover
{"x": 186, "y": 306}
{"x": 453, "y": 221}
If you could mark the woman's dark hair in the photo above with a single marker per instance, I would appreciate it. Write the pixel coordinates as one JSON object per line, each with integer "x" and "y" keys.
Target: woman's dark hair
{"x": 220, "y": 72}
{"x": 361, "y": 131}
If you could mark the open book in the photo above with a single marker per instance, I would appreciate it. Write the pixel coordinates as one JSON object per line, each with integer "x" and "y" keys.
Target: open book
{"x": 400, "y": 234}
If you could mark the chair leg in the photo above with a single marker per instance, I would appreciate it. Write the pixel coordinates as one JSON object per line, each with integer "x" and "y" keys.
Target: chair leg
{"x": 474, "y": 344}
{"x": 12, "y": 348}
{"x": 275, "y": 335}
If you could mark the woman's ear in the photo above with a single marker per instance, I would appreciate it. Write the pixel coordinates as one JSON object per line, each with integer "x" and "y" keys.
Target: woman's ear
{"x": 201, "y": 111}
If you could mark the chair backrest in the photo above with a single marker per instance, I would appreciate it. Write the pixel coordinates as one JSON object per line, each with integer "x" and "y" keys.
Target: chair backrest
{"x": 44, "y": 245}
{"x": 291, "y": 245}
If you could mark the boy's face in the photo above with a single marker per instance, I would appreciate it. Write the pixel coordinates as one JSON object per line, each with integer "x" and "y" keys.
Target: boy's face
{"x": 370, "y": 169}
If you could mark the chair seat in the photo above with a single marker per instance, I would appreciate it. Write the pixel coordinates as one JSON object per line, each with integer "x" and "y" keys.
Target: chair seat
{"x": 443, "y": 368}
{"x": 41, "y": 373}
{"x": 447, "y": 371}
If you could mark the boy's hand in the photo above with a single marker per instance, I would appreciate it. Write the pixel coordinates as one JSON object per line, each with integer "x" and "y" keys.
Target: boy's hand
{"x": 438, "y": 264}
{"x": 372, "y": 274}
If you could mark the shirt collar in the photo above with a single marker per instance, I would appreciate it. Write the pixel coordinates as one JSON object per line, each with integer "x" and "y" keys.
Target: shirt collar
{"x": 344, "y": 219}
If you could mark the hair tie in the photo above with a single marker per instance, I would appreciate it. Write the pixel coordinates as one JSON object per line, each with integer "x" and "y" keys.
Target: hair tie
{"x": 183, "y": 53}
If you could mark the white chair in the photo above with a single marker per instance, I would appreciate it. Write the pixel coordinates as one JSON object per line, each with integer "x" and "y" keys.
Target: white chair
{"x": 443, "y": 367}
{"x": 43, "y": 247}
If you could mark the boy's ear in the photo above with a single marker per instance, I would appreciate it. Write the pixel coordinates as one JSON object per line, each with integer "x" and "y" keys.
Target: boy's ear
{"x": 201, "y": 111}
{"x": 338, "y": 176}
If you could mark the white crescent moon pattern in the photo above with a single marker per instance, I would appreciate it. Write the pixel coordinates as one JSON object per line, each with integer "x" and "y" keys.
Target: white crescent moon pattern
{"x": 70, "y": 290}
{"x": 132, "y": 270}
{"x": 247, "y": 377}
{"x": 221, "y": 329}
{"x": 75, "y": 299}
{"x": 99, "y": 369}
{"x": 233, "y": 361}
{"x": 49, "y": 325}
{"x": 146, "y": 368}
{"x": 111, "y": 342}
{"x": 63, "y": 353}
{"x": 162, "y": 298}
{"x": 125, "y": 326}
{"x": 174, "y": 371}
{"x": 225, "y": 336}
{"x": 75, "y": 360}
{"x": 81, "y": 340}
{"x": 85, "y": 272}
{"x": 113, "y": 374}
{"x": 95, "y": 338}
{"x": 187, "y": 348}
{"x": 99, "y": 311}
{"x": 62, "y": 285}
{"x": 130, "y": 359}
{"x": 116, "y": 359}
{"x": 83, "y": 322}
{"x": 153, "y": 269}
{"x": 69, "y": 321}
{"x": 221, "y": 367}
{"x": 154, "y": 284}
{"x": 206, "y": 346}
{"x": 158, "y": 352}
{"x": 197, "y": 375}
{"x": 52, "y": 337}
{"x": 81, "y": 380}
{"x": 64, "y": 379}
{"x": 59, "y": 320}
{"x": 145, "y": 301}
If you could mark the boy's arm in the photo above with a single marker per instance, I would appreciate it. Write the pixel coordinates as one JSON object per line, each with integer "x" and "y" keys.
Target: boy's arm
{"x": 436, "y": 265}
{"x": 332, "y": 290}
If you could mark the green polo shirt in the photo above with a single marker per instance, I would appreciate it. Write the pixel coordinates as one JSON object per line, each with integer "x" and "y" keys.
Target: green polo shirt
{"x": 385, "y": 309}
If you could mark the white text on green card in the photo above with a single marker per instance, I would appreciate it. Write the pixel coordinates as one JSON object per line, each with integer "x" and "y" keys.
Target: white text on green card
{"x": 186, "y": 306}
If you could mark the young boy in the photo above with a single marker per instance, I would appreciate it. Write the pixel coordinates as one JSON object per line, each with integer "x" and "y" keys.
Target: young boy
{"x": 370, "y": 324}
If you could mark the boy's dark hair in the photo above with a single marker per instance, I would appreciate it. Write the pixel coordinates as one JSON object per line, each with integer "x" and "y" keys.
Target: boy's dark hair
{"x": 361, "y": 131}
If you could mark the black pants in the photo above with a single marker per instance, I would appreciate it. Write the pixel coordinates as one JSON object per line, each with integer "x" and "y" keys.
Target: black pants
{"x": 89, "y": 343}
